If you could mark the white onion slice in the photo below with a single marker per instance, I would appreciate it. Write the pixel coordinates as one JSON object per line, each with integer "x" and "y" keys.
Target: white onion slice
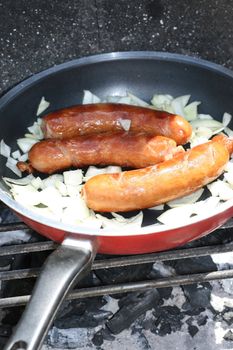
{"x": 61, "y": 187}
{"x": 26, "y": 195}
{"x": 229, "y": 132}
{"x": 179, "y": 103}
{"x": 5, "y": 150}
{"x": 190, "y": 110}
{"x": 178, "y": 215}
{"x": 43, "y": 105}
{"x": 89, "y": 98}
{"x": 11, "y": 164}
{"x": 23, "y": 181}
{"x": 93, "y": 171}
{"x": 162, "y": 102}
{"x": 73, "y": 191}
{"x": 16, "y": 154}
{"x": 208, "y": 123}
{"x": 137, "y": 101}
{"x": 51, "y": 180}
{"x": 221, "y": 189}
{"x": 73, "y": 177}
{"x": 157, "y": 207}
{"x": 36, "y": 131}
{"x": 125, "y": 123}
{"x": 112, "y": 169}
{"x": 204, "y": 116}
{"x": 23, "y": 158}
{"x": 25, "y": 144}
{"x": 76, "y": 211}
{"x": 37, "y": 183}
{"x": 125, "y": 100}
{"x": 226, "y": 119}
{"x": 189, "y": 199}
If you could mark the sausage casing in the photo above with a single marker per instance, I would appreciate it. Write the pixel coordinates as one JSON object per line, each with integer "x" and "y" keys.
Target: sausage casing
{"x": 109, "y": 117}
{"x": 145, "y": 188}
{"x": 126, "y": 150}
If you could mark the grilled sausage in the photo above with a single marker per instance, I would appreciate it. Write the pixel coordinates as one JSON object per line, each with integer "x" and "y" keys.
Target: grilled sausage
{"x": 109, "y": 117}
{"x": 144, "y": 188}
{"x": 126, "y": 150}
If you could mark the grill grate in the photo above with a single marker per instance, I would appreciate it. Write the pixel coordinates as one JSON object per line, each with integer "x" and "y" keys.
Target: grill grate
{"x": 112, "y": 263}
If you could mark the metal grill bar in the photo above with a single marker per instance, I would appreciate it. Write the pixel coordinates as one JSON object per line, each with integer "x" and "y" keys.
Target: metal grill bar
{"x": 129, "y": 287}
{"x": 116, "y": 262}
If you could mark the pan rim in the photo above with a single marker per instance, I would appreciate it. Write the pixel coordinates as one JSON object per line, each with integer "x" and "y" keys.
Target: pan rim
{"x": 99, "y": 58}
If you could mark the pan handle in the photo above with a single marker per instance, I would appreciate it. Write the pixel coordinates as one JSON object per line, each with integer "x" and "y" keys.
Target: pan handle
{"x": 66, "y": 265}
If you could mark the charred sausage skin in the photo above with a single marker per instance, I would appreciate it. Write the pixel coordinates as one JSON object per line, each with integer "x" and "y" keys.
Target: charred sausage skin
{"x": 123, "y": 149}
{"x": 151, "y": 186}
{"x": 109, "y": 117}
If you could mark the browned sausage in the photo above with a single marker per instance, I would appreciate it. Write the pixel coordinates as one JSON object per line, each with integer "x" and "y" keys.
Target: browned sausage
{"x": 144, "y": 188}
{"x": 127, "y": 150}
{"x": 107, "y": 117}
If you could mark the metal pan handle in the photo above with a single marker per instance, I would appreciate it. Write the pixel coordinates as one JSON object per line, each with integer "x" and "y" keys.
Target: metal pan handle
{"x": 66, "y": 265}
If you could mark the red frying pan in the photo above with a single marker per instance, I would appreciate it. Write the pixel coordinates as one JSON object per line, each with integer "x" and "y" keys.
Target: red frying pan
{"x": 142, "y": 73}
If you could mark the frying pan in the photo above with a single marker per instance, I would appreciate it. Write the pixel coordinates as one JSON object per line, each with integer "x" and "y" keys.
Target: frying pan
{"x": 142, "y": 73}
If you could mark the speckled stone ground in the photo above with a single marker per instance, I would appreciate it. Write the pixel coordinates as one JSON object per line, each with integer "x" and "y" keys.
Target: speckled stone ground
{"x": 38, "y": 34}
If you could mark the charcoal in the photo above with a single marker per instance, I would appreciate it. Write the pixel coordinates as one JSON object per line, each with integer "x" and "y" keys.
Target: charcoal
{"x": 198, "y": 297}
{"x": 165, "y": 329}
{"x": 228, "y": 316}
{"x": 88, "y": 319}
{"x": 228, "y": 336}
{"x": 189, "y": 321}
{"x": 107, "y": 335}
{"x": 202, "y": 320}
{"x": 124, "y": 274}
{"x": 129, "y": 312}
{"x": 168, "y": 319}
{"x": 98, "y": 339}
{"x": 193, "y": 330}
{"x": 165, "y": 293}
{"x": 191, "y": 310}
{"x": 194, "y": 265}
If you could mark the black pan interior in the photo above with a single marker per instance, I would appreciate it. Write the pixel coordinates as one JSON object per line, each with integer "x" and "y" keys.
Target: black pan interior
{"x": 142, "y": 74}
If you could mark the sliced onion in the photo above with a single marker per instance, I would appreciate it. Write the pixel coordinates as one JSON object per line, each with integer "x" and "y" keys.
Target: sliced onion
{"x": 179, "y": 103}
{"x": 229, "y": 178}
{"x": 178, "y": 215}
{"x": 61, "y": 187}
{"x": 73, "y": 177}
{"x": 229, "y": 132}
{"x": 190, "y": 111}
{"x": 93, "y": 171}
{"x": 24, "y": 181}
{"x": 23, "y": 158}
{"x": 11, "y": 164}
{"x": 157, "y": 207}
{"x": 125, "y": 100}
{"x": 52, "y": 198}
{"x": 204, "y": 116}
{"x": 125, "y": 123}
{"x": 43, "y": 105}
{"x": 26, "y": 195}
{"x": 113, "y": 99}
{"x": 112, "y": 169}
{"x": 76, "y": 211}
{"x": 36, "y": 131}
{"x": 207, "y": 123}
{"x": 221, "y": 189}
{"x": 226, "y": 119}
{"x": 89, "y": 98}
{"x": 162, "y": 102}
{"x": 5, "y": 150}
{"x": 16, "y": 154}
{"x": 189, "y": 199}
{"x": 37, "y": 183}
{"x": 25, "y": 144}
{"x": 137, "y": 101}
{"x": 51, "y": 180}
{"x": 73, "y": 191}
{"x": 203, "y": 131}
